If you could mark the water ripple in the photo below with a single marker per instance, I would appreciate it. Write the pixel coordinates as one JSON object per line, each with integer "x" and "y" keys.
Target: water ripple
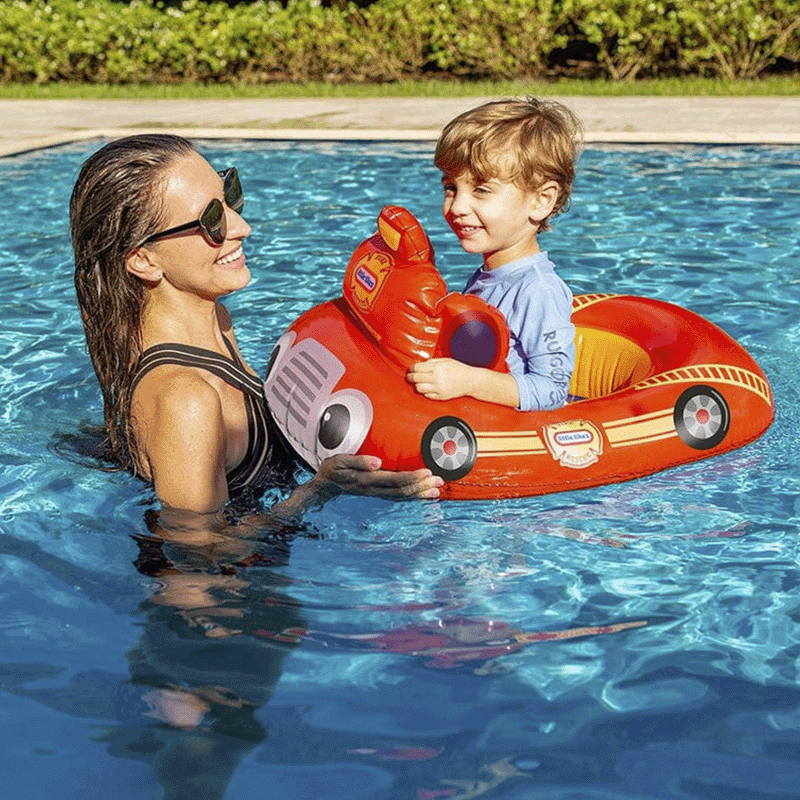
{"x": 630, "y": 641}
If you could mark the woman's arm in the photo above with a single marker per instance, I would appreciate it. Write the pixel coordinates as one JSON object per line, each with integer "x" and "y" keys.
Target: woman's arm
{"x": 360, "y": 475}
{"x": 184, "y": 446}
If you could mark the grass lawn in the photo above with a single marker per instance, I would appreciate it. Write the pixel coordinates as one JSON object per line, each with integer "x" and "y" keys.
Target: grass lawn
{"x": 788, "y": 85}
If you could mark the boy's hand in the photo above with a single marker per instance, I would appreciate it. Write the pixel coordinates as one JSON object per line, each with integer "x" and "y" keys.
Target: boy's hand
{"x": 446, "y": 379}
{"x": 442, "y": 378}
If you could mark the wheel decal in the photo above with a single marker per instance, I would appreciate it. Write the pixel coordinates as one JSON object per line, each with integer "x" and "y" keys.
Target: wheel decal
{"x": 701, "y": 417}
{"x": 449, "y": 448}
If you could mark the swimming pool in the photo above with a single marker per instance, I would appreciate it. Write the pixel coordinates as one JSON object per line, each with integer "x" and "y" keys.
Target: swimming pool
{"x": 393, "y": 650}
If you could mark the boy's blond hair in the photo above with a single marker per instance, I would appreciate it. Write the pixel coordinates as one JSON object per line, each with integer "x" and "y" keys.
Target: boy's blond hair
{"x": 527, "y": 142}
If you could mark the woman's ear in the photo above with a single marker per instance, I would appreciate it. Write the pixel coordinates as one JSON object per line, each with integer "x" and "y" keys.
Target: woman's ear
{"x": 543, "y": 201}
{"x": 139, "y": 263}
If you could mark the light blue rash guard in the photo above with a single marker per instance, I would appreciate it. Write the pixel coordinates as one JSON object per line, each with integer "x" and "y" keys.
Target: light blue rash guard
{"x": 537, "y": 306}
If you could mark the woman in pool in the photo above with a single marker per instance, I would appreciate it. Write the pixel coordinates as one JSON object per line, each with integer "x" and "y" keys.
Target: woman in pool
{"x": 157, "y": 236}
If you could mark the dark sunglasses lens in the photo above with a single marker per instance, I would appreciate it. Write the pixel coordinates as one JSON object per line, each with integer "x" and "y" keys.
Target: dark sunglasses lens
{"x": 232, "y": 189}
{"x": 213, "y": 222}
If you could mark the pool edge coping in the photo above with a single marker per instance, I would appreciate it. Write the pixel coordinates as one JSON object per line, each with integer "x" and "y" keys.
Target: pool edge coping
{"x": 386, "y": 135}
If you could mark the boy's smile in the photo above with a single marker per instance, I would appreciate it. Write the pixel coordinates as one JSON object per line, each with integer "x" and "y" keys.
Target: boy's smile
{"x": 494, "y": 218}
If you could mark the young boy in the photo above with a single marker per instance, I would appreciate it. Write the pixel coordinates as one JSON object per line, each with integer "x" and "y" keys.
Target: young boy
{"x": 507, "y": 169}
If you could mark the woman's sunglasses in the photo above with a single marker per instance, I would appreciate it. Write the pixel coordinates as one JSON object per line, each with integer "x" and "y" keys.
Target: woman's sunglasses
{"x": 212, "y": 223}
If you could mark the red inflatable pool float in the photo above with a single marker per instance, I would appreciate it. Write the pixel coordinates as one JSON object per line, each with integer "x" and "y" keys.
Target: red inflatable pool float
{"x": 662, "y": 386}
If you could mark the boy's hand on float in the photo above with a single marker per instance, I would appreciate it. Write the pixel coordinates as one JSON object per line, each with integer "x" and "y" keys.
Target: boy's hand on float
{"x": 363, "y": 475}
{"x": 442, "y": 378}
{"x": 446, "y": 379}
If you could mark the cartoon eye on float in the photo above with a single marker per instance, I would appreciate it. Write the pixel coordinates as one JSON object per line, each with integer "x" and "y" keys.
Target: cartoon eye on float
{"x": 344, "y": 423}
{"x": 701, "y": 417}
{"x": 449, "y": 448}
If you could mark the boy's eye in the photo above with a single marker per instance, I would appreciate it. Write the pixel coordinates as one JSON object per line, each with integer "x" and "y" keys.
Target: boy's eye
{"x": 449, "y": 189}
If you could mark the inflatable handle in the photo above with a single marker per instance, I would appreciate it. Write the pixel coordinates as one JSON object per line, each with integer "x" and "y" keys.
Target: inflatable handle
{"x": 403, "y": 234}
{"x": 394, "y": 290}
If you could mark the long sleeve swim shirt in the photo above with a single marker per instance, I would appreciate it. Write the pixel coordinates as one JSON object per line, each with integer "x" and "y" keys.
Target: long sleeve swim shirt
{"x": 537, "y": 306}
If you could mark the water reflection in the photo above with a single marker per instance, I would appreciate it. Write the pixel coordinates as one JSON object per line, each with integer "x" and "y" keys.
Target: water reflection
{"x": 208, "y": 658}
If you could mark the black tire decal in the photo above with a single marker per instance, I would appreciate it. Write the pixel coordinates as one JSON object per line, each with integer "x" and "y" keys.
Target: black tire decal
{"x": 449, "y": 448}
{"x": 701, "y": 417}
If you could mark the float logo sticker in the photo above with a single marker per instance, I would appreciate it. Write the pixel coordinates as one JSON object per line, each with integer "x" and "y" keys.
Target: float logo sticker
{"x": 366, "y": 278}
{"x": 577, "y": 443}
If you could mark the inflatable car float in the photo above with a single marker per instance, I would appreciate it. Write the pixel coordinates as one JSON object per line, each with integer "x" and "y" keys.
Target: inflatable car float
{"x": 660, "y": 385}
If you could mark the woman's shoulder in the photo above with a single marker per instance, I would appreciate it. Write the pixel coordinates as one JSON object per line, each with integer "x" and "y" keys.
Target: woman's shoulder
{"x": 174, "y": 410}
{"x": 176, "y": 391}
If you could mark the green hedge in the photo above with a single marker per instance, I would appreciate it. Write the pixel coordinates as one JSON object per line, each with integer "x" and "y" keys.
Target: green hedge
{"x": 101, "y": 41}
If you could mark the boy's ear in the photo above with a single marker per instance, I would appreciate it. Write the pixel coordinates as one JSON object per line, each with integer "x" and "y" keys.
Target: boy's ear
{"x": 543, "y": 201}
{"x": 139, "y": 263}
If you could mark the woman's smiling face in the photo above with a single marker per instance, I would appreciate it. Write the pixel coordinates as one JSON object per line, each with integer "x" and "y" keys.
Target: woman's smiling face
{"x": 187, "y": 260}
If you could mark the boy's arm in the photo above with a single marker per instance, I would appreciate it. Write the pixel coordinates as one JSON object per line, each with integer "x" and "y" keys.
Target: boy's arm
{"x": 446, "y": 378}
{"x": 542, "y": 352}
{"x": 541, "y": 359}
{"x": 544, "y": 374}
{"x": 540, "y": 381}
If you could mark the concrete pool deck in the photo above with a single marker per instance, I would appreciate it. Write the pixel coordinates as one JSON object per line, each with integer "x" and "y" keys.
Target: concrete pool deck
{"x": 33, "y": 124}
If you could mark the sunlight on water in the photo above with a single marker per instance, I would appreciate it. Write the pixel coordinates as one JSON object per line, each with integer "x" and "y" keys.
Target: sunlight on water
{"x": 631, "y": 641}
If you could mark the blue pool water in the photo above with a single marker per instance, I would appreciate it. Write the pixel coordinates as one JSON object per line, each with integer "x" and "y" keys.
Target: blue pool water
{"x": 318, "y": 673}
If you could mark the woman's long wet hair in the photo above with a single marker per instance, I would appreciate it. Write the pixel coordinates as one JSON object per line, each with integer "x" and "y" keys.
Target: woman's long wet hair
{"x": 115, "y": 205}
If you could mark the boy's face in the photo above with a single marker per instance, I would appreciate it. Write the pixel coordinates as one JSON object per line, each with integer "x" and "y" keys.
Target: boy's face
{"x": 495, "y": 218}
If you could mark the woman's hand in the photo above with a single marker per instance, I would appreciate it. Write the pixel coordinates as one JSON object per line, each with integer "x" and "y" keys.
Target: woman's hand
{"x": 363, "y": 475}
